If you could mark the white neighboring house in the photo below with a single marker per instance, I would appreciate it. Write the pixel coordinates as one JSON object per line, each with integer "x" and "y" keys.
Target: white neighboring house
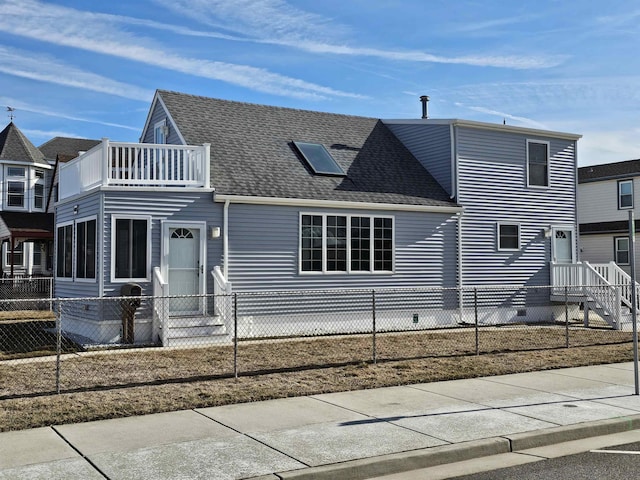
{"x": 26, "y": 229}
{"x": 606, "y": 194}
{"x": 28, "y": 179}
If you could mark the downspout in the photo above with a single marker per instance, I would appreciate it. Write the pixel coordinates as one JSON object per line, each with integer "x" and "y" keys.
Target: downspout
{"x": 100, "y": 236}
{"x": 225, "y": 240}
{"x": 454, "y": 193}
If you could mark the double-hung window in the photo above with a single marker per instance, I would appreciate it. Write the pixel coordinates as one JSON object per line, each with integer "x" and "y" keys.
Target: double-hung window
{"x": 17, "y": 259}
{"x": 38, "y": 190}
{"x": 130, "y": 248}
{"x": 508, "y": 236}
{"x": 64, "y": 251}
{"x": 625, "y": 194}
{"x": 621, "y": 245}
{"x": 86, "y": 249}
{"x": 537, "y": 163}
{"x": 346, "y": 243}
{"x": 15, "y": 187}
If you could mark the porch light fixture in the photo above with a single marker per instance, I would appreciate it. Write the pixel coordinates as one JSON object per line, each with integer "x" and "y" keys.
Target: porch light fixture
{"x": 75, "y": 209}
{"x": 547, "y": 232}
{"x": 215, "y": 232}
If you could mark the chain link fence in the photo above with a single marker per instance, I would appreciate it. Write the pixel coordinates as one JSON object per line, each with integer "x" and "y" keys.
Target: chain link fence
{"x": 67, "y": 345}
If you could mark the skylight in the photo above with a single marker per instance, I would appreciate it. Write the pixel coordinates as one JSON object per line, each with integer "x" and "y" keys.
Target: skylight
{"x": 319, "y": 159}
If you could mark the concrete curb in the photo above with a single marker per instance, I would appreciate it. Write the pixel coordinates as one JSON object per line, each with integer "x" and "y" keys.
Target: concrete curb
{"x": 430, "y": 457}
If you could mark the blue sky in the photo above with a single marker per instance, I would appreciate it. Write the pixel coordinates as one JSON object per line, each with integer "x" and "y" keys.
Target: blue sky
{"x": 89, "y": 69}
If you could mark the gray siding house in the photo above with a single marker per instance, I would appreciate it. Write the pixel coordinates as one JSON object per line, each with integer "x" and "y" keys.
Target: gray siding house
{"x": 222, "y": 196}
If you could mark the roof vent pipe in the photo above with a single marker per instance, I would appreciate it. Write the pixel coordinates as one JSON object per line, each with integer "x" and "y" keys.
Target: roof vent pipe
{"x": 425, "y": 110}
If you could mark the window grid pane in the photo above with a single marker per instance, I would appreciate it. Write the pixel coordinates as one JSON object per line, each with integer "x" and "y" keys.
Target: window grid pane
{"x": 336, "y": 244}
{"x": 360, "y": 244}
{"x": 311, "y": 240}
{"x": 383, "y": 244}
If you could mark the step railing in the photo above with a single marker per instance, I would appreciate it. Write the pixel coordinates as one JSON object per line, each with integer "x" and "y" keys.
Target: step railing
{"x": 617, "y": 276}
{"x": 222, "y": 293}
{"x": 160, "y": 305}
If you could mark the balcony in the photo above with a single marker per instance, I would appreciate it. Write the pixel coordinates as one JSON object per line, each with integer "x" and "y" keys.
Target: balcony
{"x": 118, "y": 164}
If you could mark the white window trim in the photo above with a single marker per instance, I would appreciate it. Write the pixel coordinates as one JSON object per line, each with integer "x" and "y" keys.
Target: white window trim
{"x": 548, "y": 144}
{"x": 115, "y": 217}
{"x": 7, "y": 255}
{"x": 55, "y": 246}
{"x": 620, "y": 182}
{"x": 348, "y": 271}
{"x": 615, "y": 250}
{"x": 75, "y": 249}
{"x": 510, "y": 224}
{"x": 162, "y": 124}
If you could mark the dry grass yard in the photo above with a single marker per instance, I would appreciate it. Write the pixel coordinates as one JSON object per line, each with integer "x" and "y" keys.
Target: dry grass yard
{"x": 109, "y": 384}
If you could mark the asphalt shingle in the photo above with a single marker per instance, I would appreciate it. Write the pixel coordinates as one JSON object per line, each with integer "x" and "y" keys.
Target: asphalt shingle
{"x": 252, "y": 153}
{"x": 15, "y": 146}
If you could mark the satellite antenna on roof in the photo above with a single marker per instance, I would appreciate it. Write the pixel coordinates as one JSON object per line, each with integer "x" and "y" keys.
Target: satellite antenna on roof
{"x": 11, "y": 110}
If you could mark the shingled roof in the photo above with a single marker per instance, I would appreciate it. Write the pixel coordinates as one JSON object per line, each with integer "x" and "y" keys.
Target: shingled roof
{"x": 609, "y": 171}
{"x": 252, "y": 153}
{"x": 15, "y": 146}
{"x": 66, "y": 147}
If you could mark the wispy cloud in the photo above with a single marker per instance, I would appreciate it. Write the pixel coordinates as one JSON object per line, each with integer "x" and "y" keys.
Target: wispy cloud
{"x": 605, "y": 146}
{"x": 493, "y": 23}
{"x": 46, "y": 69}
{"x": 279, "y": 23}
{"x": 26, "y": 107}
{"x": 100, "y": 34}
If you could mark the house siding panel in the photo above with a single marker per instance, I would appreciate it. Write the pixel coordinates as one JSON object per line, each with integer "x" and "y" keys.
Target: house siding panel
{"x": 598, "y": 201}
{"x": 431, "y": 145}
{"x": 264, "y": 251}
{"x": 86, "y": 207}
{"x": 187, "y": 206}
{"x": 159, "y": 114}
{"x": 492, "y": 188}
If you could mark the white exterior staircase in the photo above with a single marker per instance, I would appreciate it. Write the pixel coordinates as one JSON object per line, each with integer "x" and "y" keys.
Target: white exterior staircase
{"x": 602, "y": 288}
{"x": 191, "y": 330}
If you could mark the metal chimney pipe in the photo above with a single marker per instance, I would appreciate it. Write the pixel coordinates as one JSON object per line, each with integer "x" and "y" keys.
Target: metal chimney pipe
{"x": 425, "y": 110}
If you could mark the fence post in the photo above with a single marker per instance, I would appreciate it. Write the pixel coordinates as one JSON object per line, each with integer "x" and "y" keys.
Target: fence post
{"x": 566, "y": 315}
{"x": 58, "y": 344}
{"x": 235, "y": 336}
{"x": 373, "y": 311}
{"x": 475, "y": 314}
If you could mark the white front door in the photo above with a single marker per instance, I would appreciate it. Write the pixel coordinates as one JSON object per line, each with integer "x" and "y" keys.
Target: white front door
{"x": 562, "y": 246}
{"x": 185, "y": 266}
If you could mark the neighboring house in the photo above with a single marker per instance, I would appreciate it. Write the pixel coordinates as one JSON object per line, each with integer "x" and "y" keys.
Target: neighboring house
{"x": 26, "y": 229}
{"x": 222, "y": 193}
{"x": 606, "y": 195}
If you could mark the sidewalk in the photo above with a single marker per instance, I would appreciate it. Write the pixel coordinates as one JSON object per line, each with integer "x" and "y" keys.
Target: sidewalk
{"x": 347, "y": 435}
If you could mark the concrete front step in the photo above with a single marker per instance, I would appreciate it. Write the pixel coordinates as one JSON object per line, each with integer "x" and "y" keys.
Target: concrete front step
{"x": 195, "y": 330}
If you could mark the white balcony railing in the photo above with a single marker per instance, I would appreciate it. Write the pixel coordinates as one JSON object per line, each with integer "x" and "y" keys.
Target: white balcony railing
{"x": 135, "y": 165}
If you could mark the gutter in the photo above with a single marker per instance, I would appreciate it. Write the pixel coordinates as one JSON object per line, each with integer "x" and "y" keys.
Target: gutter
{"x": 301, "y": 202}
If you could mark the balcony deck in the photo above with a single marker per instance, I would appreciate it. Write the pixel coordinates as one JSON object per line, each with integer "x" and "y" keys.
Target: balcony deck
{"x": 121, "y": 164}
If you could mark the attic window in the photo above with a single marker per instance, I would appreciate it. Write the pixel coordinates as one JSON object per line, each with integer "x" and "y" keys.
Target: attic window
{"x": 319, "y": 159}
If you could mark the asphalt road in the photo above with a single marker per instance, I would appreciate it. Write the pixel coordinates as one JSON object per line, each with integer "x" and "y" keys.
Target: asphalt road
{"x": 609, "y": 463}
